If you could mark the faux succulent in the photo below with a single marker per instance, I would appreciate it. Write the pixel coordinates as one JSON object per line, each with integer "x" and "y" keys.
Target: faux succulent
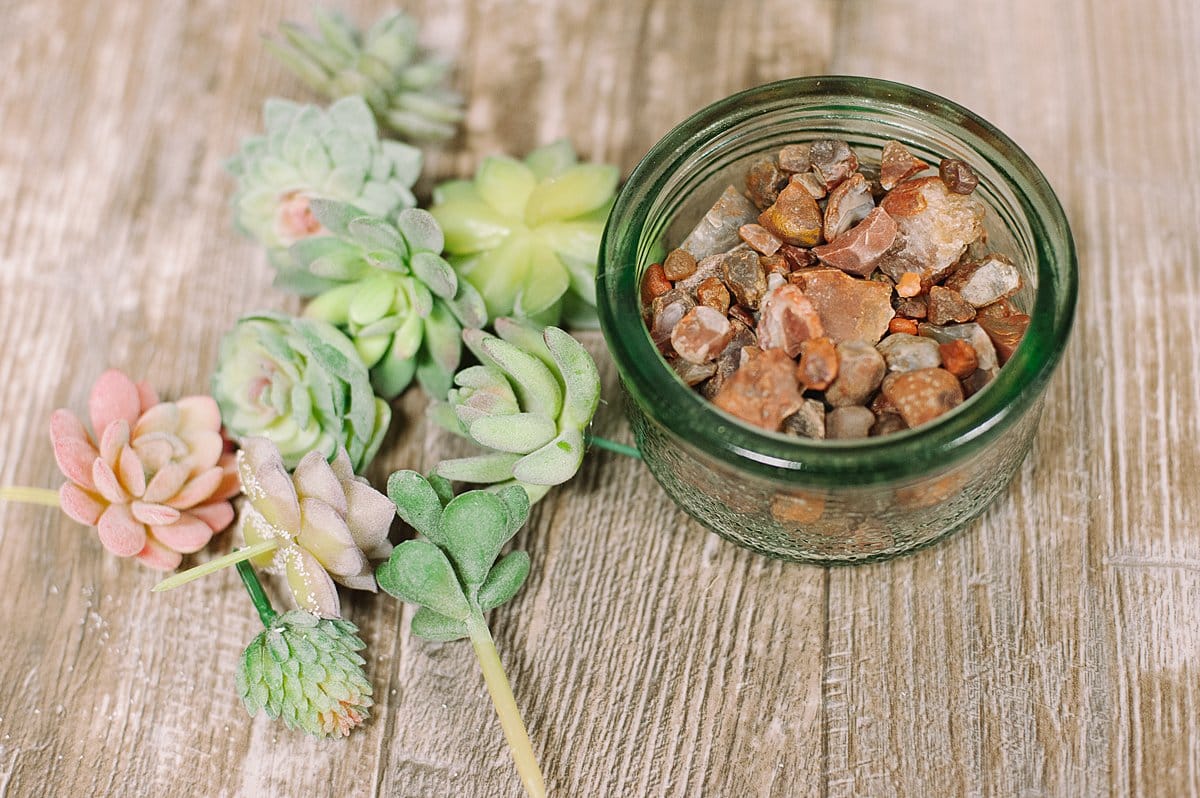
{"x": 303, "y": 669}
{"x": 528, "y": 402}
{"x": 301, "y": 384}
{"x": 390, "y": 291}
{"x": 453, "y": 574}
{"x": 385, "y": 65}
{"x": 306, "y": 153}
{"x": 527, "y": 233}
{"x": 155, "y": 480}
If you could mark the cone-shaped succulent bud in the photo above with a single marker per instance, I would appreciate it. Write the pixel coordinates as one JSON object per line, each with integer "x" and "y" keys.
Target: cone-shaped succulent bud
{"x": 301, "y": 384}
{"x": 307, "y": 152}
{"x": 527, "y": 233}
{"x": 155, "y": 480}
{"x": 528, "y": 403}
{"x": 308, "y": 671}
{"x": 391, "y": 292}
{"x": 328, "y": 523}
{"x": 400, "y": 81}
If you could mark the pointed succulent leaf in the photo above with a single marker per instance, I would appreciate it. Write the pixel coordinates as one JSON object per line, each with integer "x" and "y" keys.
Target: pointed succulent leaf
{"x": 554, "y": 463}
{"x": 533, "y": 383}
{"x": 437, "y": 627}
{"x": 580, "y": 189}
{"x": 580, "y": 377}
{"x": 516, "y": 502}
{"x": 495, "y": 467}
{"x": 504, "y": 580}
{"x": 521, "y": 433}
{"x": 419, "y": 572}
{"x": 432, "y": 270}
{"x": 417, "y": 502}
{"x": 370, "y": 233}
{"x": 335, "y": 216}
{"x": 421, "y": 230}
{"x": 505, "y": 184}
{"x": 552, "y": 160}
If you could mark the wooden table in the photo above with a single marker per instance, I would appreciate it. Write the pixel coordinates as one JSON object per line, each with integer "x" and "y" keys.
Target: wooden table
{"x": 1051, "y": 649}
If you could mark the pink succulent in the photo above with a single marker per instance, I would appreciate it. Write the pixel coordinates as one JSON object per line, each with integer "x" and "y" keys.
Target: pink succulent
{"x": 158, "y": 484}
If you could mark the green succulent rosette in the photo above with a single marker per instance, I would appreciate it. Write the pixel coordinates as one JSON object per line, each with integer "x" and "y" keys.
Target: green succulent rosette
{"x": 387, "y": 287}
{"x": 301, "y": 384}
{"x": 307, "y": 671}
{"x": 528, "y": 402}
{"x": 527, "y": 233}
{"x": 384, "y": 65}
{"x": 307, "y": 152}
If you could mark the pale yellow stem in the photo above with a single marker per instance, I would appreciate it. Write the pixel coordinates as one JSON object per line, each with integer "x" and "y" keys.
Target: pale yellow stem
{"x": 506, "y": 708}
{"x": 212, "y": 566}
{"x": 18, "y": 493}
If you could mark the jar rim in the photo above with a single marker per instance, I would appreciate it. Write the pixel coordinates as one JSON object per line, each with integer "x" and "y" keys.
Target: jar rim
{"x": 954, "y": 436}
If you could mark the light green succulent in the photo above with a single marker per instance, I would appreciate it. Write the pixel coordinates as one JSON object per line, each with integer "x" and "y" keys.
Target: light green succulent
{"x": 390, "y": 291}
{"x": 399, "y": 80}
{"x": 529, "y": 403}
{"x": 307, "y": 671}
{"x": 301, "y": 384}
{"x": 527, "y": 233}
{"x": 307, "y": 152}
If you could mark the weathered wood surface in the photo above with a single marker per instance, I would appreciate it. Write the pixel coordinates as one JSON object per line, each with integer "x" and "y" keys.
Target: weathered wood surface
{"x": 1052, "y": 649}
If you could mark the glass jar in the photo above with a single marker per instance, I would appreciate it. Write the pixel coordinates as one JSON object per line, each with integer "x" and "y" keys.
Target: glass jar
{"x": 826, "y": 501}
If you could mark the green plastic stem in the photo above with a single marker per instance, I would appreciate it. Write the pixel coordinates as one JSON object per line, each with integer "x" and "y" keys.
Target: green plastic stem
{"x": 613, "y": 446}
{"x": 259, "y": 596}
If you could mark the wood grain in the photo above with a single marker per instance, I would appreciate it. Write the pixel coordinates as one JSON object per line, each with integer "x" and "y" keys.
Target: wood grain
{"x": 1052, "y": 649}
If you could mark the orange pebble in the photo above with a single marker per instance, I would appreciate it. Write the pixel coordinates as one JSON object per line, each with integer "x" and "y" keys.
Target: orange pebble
{"x": 902, "y": 325}
{"x": 654, "y": 283}
{"x": 909, "y": 284}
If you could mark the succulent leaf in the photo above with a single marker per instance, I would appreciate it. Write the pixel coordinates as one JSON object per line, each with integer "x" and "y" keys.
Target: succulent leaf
{"x": 419, "y": 572}
{"x": 504, "y": 580}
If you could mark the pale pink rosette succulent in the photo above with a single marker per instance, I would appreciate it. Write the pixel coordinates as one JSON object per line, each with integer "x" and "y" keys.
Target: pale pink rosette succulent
{"x": 158, "y": 484}
{"x": 317, "y": 525}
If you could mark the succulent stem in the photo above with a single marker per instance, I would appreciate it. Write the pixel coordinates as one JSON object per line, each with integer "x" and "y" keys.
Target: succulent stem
{"x": 506, "y": 706}
{"x": 232, "y": 558}
{"x": 613, "y": 446}
{"x": 19, "y": 493}
{"x": 254, "y": 587}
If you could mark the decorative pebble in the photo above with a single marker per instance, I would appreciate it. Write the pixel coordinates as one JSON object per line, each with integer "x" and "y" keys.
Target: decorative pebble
{"x": 909, "y": 284}
{"x": 958, "y": 358}
{"x": 693, "y": 373}
{"x": 759, "y": 238}
{"x": 832, "y": 161}
{"x": 947, "y": 306}
{"x": 701, "y": 334}
{"x": 666, "y": 312}
{"x": 795, "y": 218}
{"x": 848, "y": 205}
{"x": 935, "y": 225}
{"x": 654, "y": 283}
{"x": 850, "y": 309}
{"x": 679, "y": 265}
{"x": 788, "y": 319}
{"x": 904, "y": 352}
{"x": 796, "y": 158}
{"x": 857, "y": 250}
{"x": 745, "y": 278}
{"x": 764, "y": 181}
{"x": 818, "y": 363}
{"x": 713, "y": 293}
{"x": 987, "y": 281}
{"x": 896, "y": 163}
{"x": 1005, "y": 333}
{"x": 851, "y": 421}
{"x": 718, "y": 230}
{"x": 808, "y": 421}
{"x": 958, "y": 176}
{"x": 763, "y": 392}
{"x": 860, "y": 370}
{"x": 923, "y": 395}
{"x": 899, "y": 324}
{"x": 972, "y": 333}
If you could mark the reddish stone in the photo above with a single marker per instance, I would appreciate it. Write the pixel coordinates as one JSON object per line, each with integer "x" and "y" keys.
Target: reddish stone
{"x": 713, "y": 293}
{"x": 832, "y": 161}
{"x": 654, "y": 283}
{"x": 1005, "y": 332}
{"x": 759, "y": 238}
{"x": 914, "y": 307}
{"x": 730, "y": 358}
{"x": 701, "y": 334}
{"x": 818, "y": 363}
{"x": 797, "y": 258}
{"x": 788, "y": 319}
{"x": 987, "y": 281}
{"x": 763, "y": 392}
{"x": 848, "y": 204}
{"x": 923, "y": 395}
{"x": 850, "y": 309}
{"x": 795, "y": 218}
{"x": 935, "y": 226}
{"x": 744, "y": 316}
{"x": 665, "y": 313}
{"x": 679, "y": 265}
{"x": 958, "y": 176}
{"x": 959, "y": 358}
{"x": 902, "y": 325}
{"x": 764, "y": 181}
{"x": 857, "y": 250}
{"x": 909, "y": 284}
{"x": 810, "y": 183}
{"x": 896, "y": 163}
{"x": 946, "y": 305}
{"x": 997, "y": 310}
{"x": 795, "y": 158}
{"x": 774, "y": 264}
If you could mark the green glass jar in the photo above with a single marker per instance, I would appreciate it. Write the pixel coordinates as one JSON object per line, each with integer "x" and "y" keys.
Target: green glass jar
{"x": 817, "y": 501}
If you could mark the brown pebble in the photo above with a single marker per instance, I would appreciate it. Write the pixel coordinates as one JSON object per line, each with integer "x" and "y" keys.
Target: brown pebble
{"x": 808, "y": 421}
{"x": 797, "y": 257}
{"x": 850, "y": 309}
{"x": 986, "y": 281}
{"x": 909, "y": 284}
{"x": 717, "y": 231}
{"x": 832, "y": 161}
{"x": 744, "y": 316}
{"x": 654, "y": 283}
{"x": 679, "y": 265}
{"x": 848, "y": 205}
{"x": 795, "y": 218}
{"x": 701, "y": 334}
{"x": 860, "y": 370}
{"x": 947, "y": 305}
{"x": 693, "y": 373}
{"x": 730, "y": 358}
{"x": 896, "y": 163}
{"x": 970, "y": 332}
{"x": 713, "y": 293}
{"x": 887, "y": 423}
{"x": 857, "y": 250}
{"x": 744, "y": 277}
{"x": 818, "y": 363}
{"x": 763, "y": 392}
{"x": 776, "y": 264}
{"x": 978, "y": 381}
{"x": 759, "y": 238}
{"x": 811, "y": 183}
{"x": 1006, "y": 333}
{"x": 904, "y": 352}
{"x": 923, "y": 395}
{"x": 997, "y": 310}
{"x": 958, "y": 176}
{"x": 913, "y": 307}
{"x": 902, "y": 325}
{"x": 764, "y": 181}
{"x": 788, "y": 319}
{"x": 795, "y": 158}
{"x": 666, "y": 312}
{"x": 959, "y": 358}
{"x": 851, "y": 421}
